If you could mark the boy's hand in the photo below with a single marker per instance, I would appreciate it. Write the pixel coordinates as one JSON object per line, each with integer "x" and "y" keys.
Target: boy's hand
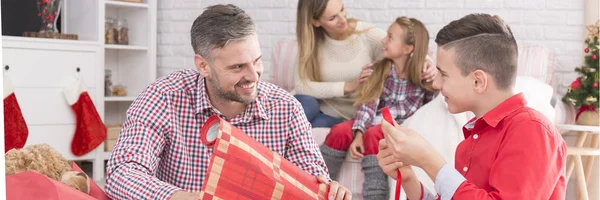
{"x": 357, "y": 147}
{"x": 390, "y": 166}
{"x": 385, "y": 159}
{"x": 410, "y": 148}
{"x": 408, "y": 174}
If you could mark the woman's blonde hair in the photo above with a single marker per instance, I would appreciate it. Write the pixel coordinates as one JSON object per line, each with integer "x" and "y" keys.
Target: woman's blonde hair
{"x": 309, "y": 37}
{"x": 416, "y": 35}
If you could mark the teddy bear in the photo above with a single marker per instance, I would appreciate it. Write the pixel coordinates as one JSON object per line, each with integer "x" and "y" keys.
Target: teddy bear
{"x": 45, "y": 160}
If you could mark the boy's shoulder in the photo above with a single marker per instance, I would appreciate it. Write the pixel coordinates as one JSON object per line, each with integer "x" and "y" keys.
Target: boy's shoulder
{"x": 531, "y": 119}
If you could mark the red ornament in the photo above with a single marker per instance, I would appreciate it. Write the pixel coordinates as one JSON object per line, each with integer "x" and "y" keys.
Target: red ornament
{"x": 576, "y": 84}
{"x": 39, "y": 14}
{"x": 594, "y": 57}
{"x": 595, "y": 85}
{"x": 586, "y": 50}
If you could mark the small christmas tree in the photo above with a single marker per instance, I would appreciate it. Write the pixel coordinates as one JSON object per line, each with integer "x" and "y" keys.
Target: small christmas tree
{"x": 583, "y": 92}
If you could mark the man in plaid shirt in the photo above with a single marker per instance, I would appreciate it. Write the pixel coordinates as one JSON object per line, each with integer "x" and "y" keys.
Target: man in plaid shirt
{"x": 159, "y": 154}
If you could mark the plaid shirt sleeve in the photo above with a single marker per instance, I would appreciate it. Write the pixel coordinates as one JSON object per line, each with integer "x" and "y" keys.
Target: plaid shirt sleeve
{"x": 411, "y": 104}
{"x": 364, "y": 116}
{"x": 133, "y": 163}
{"x": 301, "y": 147}
{"x": 429, "y": 96}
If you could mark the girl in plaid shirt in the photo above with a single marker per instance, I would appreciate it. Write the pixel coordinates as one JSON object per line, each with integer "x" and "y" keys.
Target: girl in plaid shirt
{"x": 395, "y": 83}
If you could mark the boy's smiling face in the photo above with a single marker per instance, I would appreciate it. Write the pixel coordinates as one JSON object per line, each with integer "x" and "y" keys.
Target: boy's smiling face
{"x": 456, "y": 88}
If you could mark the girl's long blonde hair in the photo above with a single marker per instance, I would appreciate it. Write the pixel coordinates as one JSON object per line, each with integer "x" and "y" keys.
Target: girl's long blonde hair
{"x": 309, "y": 37}
{"x": 416, "y": 35}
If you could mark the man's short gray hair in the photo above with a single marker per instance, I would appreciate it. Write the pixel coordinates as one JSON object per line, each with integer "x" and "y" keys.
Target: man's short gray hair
{"x": 218, "y": 25}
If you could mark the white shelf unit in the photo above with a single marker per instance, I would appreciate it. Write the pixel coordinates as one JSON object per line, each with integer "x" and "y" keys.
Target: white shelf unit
{"x": 132, "y": 65}
{"x": 126, "y": 47}
{"x": 38, "y": 84}
{"x": 121, "y": 4}
{"x": 119, "y": 99}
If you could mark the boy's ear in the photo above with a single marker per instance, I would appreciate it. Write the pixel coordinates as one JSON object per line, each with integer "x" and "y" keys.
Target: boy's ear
{"x": 480, "y": 81}
{"x": 202, "y": 65}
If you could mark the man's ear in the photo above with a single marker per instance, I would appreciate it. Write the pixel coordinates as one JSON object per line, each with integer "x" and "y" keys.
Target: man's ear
{"x": 202, "y": 65}
{"x": 481, "y": 81}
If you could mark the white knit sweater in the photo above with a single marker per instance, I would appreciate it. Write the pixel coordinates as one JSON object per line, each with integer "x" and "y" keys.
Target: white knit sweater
{"x": 341, "y": 61}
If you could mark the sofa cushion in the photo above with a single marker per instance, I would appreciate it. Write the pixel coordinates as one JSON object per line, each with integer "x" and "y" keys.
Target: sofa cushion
{"x": 534, "y": 60}
{"x": 284, "y": 64}
{"x": 538, "y": 62}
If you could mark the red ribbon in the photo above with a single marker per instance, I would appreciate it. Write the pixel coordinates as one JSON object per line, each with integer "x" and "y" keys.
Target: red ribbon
{"x": 585, "y": 108}
{"x": 398, "y": 185}
{"x": 388, "y": 117}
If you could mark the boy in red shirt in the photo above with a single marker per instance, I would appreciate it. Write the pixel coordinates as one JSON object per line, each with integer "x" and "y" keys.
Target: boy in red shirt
{"x": 510, "y": 151}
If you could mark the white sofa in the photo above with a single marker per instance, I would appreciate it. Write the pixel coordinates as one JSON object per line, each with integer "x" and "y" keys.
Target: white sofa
{"x": 536, "y": 70}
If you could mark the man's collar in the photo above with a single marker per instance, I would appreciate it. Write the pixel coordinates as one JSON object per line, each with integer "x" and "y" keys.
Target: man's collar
{"x": 203, "y": 101}
{"x": 493, "y": 117}
{"x": 510, "y": 105}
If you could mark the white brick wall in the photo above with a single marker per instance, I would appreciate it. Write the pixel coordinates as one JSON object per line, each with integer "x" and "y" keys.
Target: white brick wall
{"x": 556, "y": 24}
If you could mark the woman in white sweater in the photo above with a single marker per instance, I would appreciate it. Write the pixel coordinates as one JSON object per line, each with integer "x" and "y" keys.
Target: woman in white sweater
{"x": 335, "y": 55}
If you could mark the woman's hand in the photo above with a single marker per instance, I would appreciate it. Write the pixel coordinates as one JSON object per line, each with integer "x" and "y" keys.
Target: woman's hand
{"x": 429, "y": 70}
{"x": 352, "y": 86}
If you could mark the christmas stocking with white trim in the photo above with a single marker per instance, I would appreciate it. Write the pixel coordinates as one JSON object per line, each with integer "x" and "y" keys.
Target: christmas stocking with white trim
{"x": 90, "y": 131}
{"x": 15, "y": 128}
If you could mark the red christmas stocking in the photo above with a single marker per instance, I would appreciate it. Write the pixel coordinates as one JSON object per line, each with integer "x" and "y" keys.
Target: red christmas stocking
{"x": 90, "y": 130}
{"x": 15, "y": 128}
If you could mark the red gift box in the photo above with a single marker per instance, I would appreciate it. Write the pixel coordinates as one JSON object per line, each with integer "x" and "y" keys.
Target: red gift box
{"x": 242, "y": 168}
{"x": 32, "y": 185}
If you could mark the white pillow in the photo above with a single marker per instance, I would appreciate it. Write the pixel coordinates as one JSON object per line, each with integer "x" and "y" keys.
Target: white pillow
{"x": 538, "y": 95}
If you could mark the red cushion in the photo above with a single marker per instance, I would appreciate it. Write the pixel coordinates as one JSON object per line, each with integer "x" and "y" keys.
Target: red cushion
{"x": 33, "y": 185}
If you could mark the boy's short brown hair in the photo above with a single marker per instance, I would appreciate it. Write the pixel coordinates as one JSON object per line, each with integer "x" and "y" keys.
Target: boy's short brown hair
{"x": 484, "y": 42}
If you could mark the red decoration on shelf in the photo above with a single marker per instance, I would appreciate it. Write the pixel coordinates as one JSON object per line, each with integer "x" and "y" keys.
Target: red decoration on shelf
{"x": 90, "y": 131}
{"x": 584, "y": 108}
{"x": 576, "y": 84}
{"x": 48, "y": 11}
{"x": 594, "y": 57}
{"x": 15, "y": 128}
{"x": 586, "y": 50}
{"x": 595, "y": 84}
